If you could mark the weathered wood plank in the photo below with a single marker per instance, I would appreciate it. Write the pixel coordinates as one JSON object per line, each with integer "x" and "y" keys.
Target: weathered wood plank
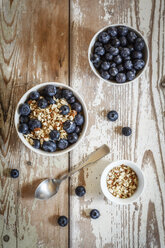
{"x": 140, "y": 106}
{"x": 33, "y": 49}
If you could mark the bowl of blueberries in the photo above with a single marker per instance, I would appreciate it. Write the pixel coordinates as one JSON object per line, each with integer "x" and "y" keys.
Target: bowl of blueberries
{"x": 51, "y": 118}
{"x": 118, "y": 54}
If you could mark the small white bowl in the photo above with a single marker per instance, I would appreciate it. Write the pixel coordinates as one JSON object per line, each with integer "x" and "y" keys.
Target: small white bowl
{"x": 139, "y": 190}
{"x": 60, "y": 152}
{"x": 91, "y": 47}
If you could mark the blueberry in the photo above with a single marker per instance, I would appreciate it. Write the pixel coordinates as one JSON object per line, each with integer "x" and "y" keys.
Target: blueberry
{"x": 127, "y": 58}
{"x": 54, "y": 135}
{"x": 62, "y": 221}
{"x": 131, "y": 47}
{"x": 105, "y": 65}
{"x": 112, "y": 31}
{"x": 23, "y": 128}
{"x": 125, "y": 52}
{"x": 107, "y": 47}
{"x": 80, "y": 191}
{"x": 112, "y": 115}
{"x": 36, "y": 143}
{"x": 95, "y": 58}
{"x": 42, "y": 103}
{"x": 104, "y": 37}
{"x": 49, "y": 146}
{"x": 34, "y": 123}
{"x": 76, "y": 106}
{"x": 62, "y": 144}
{"x": 14, "y": 173}
{"x": 122, "y": 30}
{"x": 128, "y": 65}
{"x": 94, "y": 214}
{"x": 113, "y": 71}
{"x": 24, "y": 109}
{"x": 131, "y": 36}
{"x": 50, "y": 90}
{"x": 97, "y": 44}
{"x": 23, "y": 119}
{"x": 104, "y": 74}
{"x": 114, "y": 50}
{"x": 97, "y": 65}
{"x": 58, "y": 93}
{"x": 115, "y": 42}
{"x": 120, "y": 68}
{"x": 79, "y": 119}
{"x": 64, "y": 110}
{"x": 130, "y": 75}
{"x": 78, "y": 129}
{"x": 67, "y": 94}
{"x": 138, "y": 64}
{"x": 71, "y": 100}
{"x": 136, "y": 55}
{"x": 34, "y": 95}
{"x": 72, "y": 138}
{"x": 117, "y": 59}
{"x": 50, "y": 99}
{"x": 127, "y": 131}
{"x": 112, "y": 64}
{"x": 139, "y": 44}
{"x": 123, "y": 41}
{"x": 108, "y": 56}
{"x": 100, "y": 50}
{"x": 121, "y": 77}
{"x": 69, "y": 126}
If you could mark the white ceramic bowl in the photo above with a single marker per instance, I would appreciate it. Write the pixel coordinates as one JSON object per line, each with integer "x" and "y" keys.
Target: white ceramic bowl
{"x": 91, "y": 47}
{"x": 39, "y": 87}
{"x": 139, "y": 190}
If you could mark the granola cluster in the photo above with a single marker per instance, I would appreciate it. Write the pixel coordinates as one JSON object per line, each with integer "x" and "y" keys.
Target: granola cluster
{"x": 122, "y": 181}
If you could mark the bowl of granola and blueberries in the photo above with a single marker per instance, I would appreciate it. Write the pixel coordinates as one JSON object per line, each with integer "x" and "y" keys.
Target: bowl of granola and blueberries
{"x": 118, "y": 54}
{"x": 122, "y": 182}
{"x": 51, "y": 118}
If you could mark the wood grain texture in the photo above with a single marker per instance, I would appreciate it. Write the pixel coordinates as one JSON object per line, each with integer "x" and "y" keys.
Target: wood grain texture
{"x": 141, "y": 106}
{"x": 33, "y": 49}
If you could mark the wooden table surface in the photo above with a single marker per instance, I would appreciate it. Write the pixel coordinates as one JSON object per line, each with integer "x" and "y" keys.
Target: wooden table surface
{"x": 45, "y": 40}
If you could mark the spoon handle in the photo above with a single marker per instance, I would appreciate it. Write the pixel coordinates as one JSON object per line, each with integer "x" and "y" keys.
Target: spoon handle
{"x": 101, "y": 152}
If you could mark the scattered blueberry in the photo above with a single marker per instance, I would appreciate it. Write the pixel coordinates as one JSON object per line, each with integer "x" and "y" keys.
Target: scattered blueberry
{"x": 108, "y": 56}
{"x": 36, "y": 143}
{"x": 42, "y": 103}
{"x": 105, "y": 74}
{"x": 105, "y": 65}
{"x": 23, "y": 119}
{"x": 79, "y": 119}
{"x": 67, "y": 94}
{"x": 54, "y": 135}
{"x": 49, "y": 146}
{"x": 23, "y": 128}
{"x": 78, "y": 129}
{"x": 123, "y": 41}
{"x": 121, "y": 77}
{"x": 114, "y": 50}
{"x": 104, "y": 37}
{"x": 76, "y": 106}
{"x": 50, "y": 90}
{"x": 64, "y": 110}
{"x": 50, "y": 99}
{"x": 128, "y": 65}
{"x": 130, "y": 75}
{"x": 117, "y": 59}
{"x": 112, "y": 31}
{"x": 138, "y": 64}
{"x": 14, "y": 173}
{"x": 125, "y": 52}
{"x": 139, "y": 44}
{"x": 34, "y": 95}
{"x": 34, "y": 123}
{"x": 72, "y": 138}
{"x": 62, "y": 144}
{"x": 112, "y": 115}
{"x": 80, "y": 191}
{"x": 24, "y": 109}
{"x": 115, "y": 42}
{"x": 113, "y": 71}
{"x": 127, "y": 131}
{"x": 69, "y": 126}
{"x": 136, "y": 55}
{"x": 100, "y": 50}
{"x": 131, "y": 36}
{"x": 94, "y": 214}
{"x": 122, "y": 30}
{"x": 95, "y": 58}
{"x": 62, "y": 221}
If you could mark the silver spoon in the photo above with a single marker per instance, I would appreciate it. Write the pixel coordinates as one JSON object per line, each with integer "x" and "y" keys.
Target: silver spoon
{"x": 50, "y": 187}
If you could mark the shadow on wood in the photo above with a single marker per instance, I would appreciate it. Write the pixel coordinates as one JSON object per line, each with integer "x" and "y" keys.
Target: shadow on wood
{"x": 28, "y": 190}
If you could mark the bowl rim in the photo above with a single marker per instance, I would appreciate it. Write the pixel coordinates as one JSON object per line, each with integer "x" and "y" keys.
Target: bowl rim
{"x": 91, "y": 46}
{"x": 23, "y": 99}
{"x": 138, "y": 192}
